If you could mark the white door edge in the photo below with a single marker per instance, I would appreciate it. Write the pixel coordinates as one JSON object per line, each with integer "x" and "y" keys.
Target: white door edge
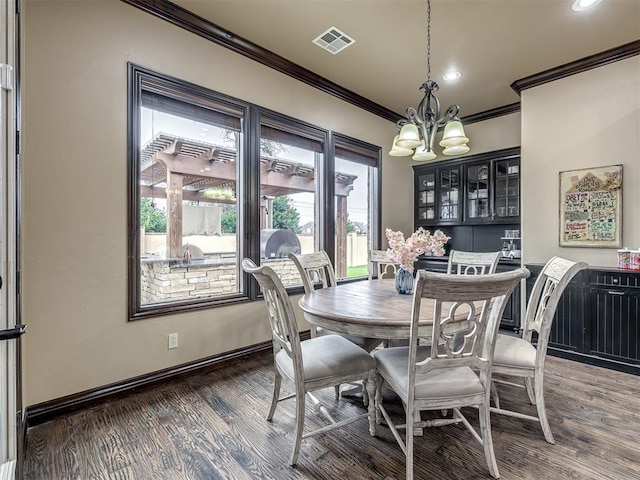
{"x": 8, "y": 470}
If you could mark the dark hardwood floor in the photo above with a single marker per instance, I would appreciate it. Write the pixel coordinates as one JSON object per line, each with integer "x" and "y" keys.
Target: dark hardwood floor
{"x": 213, "y": 427}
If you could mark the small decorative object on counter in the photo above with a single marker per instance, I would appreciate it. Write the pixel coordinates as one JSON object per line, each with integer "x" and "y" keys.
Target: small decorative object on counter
{"x": 634, "y": 261}
{"x": 624, "y": 258}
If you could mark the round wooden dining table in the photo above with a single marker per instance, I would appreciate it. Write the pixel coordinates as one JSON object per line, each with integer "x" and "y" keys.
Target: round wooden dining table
{"x": 371, "y": 308}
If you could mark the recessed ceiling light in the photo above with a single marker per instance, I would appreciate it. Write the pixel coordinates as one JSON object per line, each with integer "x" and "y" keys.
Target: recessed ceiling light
{"x": 580, "y": 5}
{"x": 451, "y": 76}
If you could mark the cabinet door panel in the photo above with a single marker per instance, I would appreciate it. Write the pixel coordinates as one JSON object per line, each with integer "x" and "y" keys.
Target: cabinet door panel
{"x": 507, "y": 188}
{"x": 567, "y": 329}
{"x": 478, "y": 205}
{"x": 450, "y": 194}
{"x": 426, "y": 197}
{"x": 615, "y": 333}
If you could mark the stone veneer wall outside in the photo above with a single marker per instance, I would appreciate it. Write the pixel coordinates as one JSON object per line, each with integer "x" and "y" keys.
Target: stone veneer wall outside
{"x": 169, "y": 279}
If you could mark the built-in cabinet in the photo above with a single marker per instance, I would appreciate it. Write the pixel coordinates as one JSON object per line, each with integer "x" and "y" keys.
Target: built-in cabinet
{"x": 598, "y": 318}
{"x": 472, "y": 199}
{"x": 477, "y": 189}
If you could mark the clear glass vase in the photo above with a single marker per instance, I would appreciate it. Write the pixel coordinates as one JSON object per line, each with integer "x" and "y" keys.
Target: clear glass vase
{"x": 404, "y": 281}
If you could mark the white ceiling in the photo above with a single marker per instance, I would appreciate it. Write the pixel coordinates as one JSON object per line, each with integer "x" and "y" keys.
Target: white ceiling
{"x": 493, "y": 42}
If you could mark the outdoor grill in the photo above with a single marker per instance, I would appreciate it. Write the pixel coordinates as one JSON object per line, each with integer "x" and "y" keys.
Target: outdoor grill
{"x": 278, "y": 243}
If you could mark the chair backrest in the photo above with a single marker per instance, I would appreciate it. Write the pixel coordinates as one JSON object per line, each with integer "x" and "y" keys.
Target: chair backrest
{"x": 466, "y": 315}
{"x": 380, "y": 266}
{"x": 314, "y": 268}
{"x": 544, "y": 298}
{"x": 282, "y": 319}
{"x": 473, "y": 263}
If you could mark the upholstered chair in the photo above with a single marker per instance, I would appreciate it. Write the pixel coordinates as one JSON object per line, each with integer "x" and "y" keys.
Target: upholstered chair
{"x": 524, "y": 357}
{"x": 312, "y": 364}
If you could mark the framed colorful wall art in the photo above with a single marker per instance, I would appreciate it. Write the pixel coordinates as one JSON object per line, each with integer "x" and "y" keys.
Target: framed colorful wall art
{"x": 591, "y": 207}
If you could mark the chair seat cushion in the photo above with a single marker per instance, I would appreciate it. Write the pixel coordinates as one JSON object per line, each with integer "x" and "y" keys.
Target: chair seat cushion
{"x": 444, "y": 383}
{"x": 363, "y": 342}
{"x": 328, "y": 356}
{"x": 513, "y": 352}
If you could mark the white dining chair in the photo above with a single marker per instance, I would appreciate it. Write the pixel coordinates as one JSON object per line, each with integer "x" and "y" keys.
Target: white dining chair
{"x": 316, "y": 271}
{"x": 525, "y": 356}
{"x": 456, "y": 374}
{"x": 310, "y": 365}
{"x": 379, "y": 266}
{"x": 473, "y": 263}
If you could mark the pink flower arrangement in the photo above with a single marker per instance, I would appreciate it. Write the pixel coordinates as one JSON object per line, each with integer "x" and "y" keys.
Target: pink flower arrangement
{"x": 405, "y": 252}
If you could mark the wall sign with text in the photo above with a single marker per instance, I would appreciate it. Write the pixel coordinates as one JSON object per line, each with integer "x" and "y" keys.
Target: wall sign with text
{"x": 591, "y": 207}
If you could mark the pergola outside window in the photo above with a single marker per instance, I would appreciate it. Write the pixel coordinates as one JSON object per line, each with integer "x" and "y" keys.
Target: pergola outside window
{"x": 214, "y": 179}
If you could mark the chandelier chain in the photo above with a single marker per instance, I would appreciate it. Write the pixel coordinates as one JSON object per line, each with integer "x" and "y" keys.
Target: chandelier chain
{"x": 428, "y": 39}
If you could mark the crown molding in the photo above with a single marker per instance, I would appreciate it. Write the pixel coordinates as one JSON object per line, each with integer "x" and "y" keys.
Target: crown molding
{"x": 587, "y": 63}
{"x": 182, "y": 18}
{"x": 492, "y": 113}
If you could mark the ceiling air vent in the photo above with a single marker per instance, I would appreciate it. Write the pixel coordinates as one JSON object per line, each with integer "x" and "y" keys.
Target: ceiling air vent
{"x": 333, "y": 40}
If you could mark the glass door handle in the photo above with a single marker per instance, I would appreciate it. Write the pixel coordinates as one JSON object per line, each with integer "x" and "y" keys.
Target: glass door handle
{"x": 12, "y": 333}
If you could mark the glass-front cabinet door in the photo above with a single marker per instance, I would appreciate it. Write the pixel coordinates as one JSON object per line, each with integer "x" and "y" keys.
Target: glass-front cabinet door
{"x": 507, "y": 188}
{"x": 426, "y": 210}
{"x": 450, "y": 194}
{"x": 478, "y": 201}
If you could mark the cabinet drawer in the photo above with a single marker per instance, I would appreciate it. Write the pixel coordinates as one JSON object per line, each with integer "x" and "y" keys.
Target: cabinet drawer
{"x": 598, "y": 278}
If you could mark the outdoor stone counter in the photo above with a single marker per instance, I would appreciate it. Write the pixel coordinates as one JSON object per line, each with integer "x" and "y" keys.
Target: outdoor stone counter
{"x": 169, "y": 279}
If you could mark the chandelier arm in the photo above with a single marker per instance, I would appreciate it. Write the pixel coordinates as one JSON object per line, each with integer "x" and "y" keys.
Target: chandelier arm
{"x": 413, "y": 116}
{"x": 428, "y": 135}
{"x": 450, "y": 114}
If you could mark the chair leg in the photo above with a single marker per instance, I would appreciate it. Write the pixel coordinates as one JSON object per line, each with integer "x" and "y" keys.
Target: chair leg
{"x": 276, "y": 394}
{"x": 542, "y": 412}
{"x": 528, "y": 383}
{"x": 494, "y": 394}
{"x": 409, "y": 443}
{"x": 487, "y": 440}
{"x": 300, "y": 405}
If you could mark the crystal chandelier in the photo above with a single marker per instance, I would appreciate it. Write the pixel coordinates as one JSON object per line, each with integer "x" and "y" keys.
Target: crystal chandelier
{"x": 417, "y": 132}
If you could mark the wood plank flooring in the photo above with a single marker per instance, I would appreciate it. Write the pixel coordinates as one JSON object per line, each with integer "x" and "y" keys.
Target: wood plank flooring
{"x": 213, "y": 427}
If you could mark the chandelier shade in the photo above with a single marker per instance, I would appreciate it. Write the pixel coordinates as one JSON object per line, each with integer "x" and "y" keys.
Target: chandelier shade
{"x": 397, "y": 151}
{"x": 417, "y": 131}
{"x": 456, "y": 150}
{"x": 409, "y": 137}
{"x": 422, "y": 154}
{"x": 453, "y": 135}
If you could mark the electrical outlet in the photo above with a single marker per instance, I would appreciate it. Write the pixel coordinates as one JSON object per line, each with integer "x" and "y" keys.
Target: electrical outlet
{"x": 173, "y": 340}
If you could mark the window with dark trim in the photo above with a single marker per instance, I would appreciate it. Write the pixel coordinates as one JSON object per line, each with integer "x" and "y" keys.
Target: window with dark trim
{"x": 207, "y": 172}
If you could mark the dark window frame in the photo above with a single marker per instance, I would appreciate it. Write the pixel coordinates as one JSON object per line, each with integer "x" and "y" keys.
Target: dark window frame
{"x": 141, "y": 79}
